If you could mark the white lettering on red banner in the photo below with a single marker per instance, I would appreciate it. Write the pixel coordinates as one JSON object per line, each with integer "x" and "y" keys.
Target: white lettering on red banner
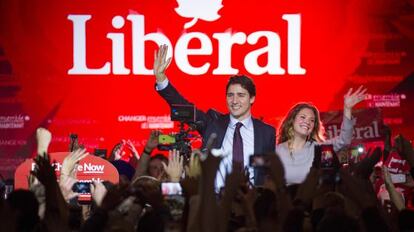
{"x": 182, "y": 52}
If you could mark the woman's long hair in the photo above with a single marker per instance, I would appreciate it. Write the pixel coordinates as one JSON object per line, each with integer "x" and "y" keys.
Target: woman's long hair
{"x": 286, "y": 132}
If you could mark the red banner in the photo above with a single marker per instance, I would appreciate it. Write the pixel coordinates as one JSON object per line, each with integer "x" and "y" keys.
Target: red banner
{"x": 368, "y": 127}
{"x": 89, "y": 168}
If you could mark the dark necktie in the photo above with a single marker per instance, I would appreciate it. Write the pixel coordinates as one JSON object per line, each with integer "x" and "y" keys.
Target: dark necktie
{"x": 238, "y": 146}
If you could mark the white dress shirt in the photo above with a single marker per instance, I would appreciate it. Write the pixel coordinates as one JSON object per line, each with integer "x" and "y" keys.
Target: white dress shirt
{"x": 247, "y": 133}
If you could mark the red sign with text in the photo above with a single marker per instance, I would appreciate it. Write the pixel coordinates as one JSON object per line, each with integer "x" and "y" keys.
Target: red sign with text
{"x": 89, "y": 168}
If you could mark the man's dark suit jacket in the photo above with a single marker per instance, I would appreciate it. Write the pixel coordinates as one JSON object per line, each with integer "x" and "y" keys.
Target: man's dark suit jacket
{"x": 215, "y": 122}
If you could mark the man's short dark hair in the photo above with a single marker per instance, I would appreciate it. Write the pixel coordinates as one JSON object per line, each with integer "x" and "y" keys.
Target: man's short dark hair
{"x": 245, "y": 82}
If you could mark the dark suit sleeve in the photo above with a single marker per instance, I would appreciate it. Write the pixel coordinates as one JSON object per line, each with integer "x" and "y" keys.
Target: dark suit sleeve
{"x": 172, "y": 96}
{"x": 272, "y": 139}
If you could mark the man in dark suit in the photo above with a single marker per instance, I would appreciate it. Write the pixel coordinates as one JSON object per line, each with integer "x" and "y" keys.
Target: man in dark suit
{"x": 239, "y": 135}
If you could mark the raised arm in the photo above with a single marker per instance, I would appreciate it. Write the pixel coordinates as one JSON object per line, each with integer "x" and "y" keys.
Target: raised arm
{"x": 43, "y": 137}
{"x": 143, "y": 162}
{"x": 350, "y": 100}
{"x": 167, "y": 91}
{"x": 353, "y": 98}
{"x": 161, "y": 63}
{"x": 56, "y": 212}
{"x": 395, "y": 196}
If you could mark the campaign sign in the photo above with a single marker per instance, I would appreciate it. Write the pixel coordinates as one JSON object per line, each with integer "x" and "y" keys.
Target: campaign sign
{"x": 89, "y": 168}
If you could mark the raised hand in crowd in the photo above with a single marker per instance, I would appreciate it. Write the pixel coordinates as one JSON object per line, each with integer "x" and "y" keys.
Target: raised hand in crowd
{"x": 205, "y": 217}
{"x": 116, "y": 151}
{"x": 132, "y": 148}
{"x": 395, "y": 196}
{"x": 69, "y": 165}
{"x": 353, "y": 98}
{"x": 32, "y": 181}
{"x": 142, "y": 165}
{"x": 98, "y": 192}
{"x": 210, "y": 162}
{"x": 74, "y": 143}
{"x": 174, "y": 168}
{"x": 190, "y": 186}
{"x": 161, "y": 63}
{"x": 308, "y": 190}
{"x": 193, "y": 168}
{"x": 277, "y": 171}
{"x": 152, "y": 142}
{"x": 56, "y": 212}
{"x": 66, "y": 187}
{"x": 39, "y": 191}
{"x": 234, "y": 181}
{"x": 44, "y": 171}
{"x": 68, "y": 173}
{"x": 405, "y": 149}
{"x": 283, "y": 201}
{"x": 43, "y": 137}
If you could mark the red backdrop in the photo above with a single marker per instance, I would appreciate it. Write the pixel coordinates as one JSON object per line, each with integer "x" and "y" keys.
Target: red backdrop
{"x": 342, "y": 44}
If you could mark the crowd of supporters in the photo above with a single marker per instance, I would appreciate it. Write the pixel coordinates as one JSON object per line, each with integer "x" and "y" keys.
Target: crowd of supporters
{"x": 349, "y": 203}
